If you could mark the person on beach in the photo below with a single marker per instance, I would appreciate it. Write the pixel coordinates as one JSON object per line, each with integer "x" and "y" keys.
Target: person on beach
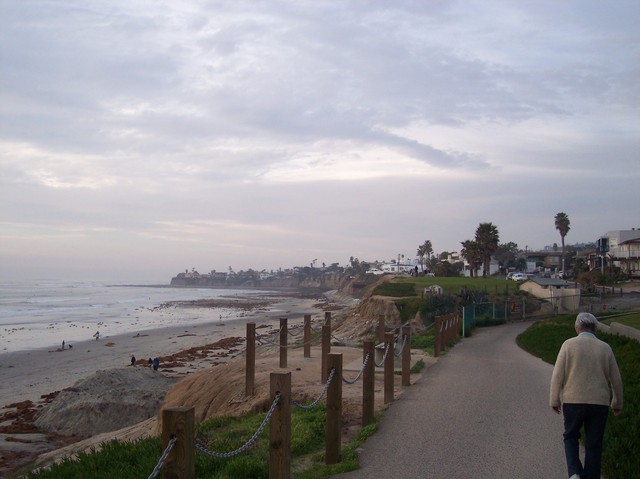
{"x": 97, "y": 335}
{"x": 133, "y": 360}
{"x": 63, "y": 344}
{"x": 156, "y": 364}
{"x": 584, "y": 369}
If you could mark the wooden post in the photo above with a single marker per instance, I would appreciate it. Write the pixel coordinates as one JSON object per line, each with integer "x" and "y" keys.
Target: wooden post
{"x": 438, "y": 343}
{"x": 181, "y": 462}
{"x": 250, "y": 355}
{"x": 368, "y": 382}
{"x": 388, "y": 367}
{"x": 280, "y": 428}
{"x": 333, "y": 431}
{"x": 306, "y": 336}
{"x": 406, "y": 355}
{"x": 381, "y": 328}
{"x": 327, "y": 318}
{"x": 326, "y": 349}
{"x": 283, "y": 342}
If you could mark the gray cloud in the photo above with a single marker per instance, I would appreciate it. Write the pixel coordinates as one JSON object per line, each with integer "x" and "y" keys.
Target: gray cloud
{"x": 263, "y": 133}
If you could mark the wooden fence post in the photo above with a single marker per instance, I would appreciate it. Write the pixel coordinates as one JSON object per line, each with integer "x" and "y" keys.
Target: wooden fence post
{"x": 327, "y": 318}
{"x": 333, "y": 431}
{"x": 381, "y": 328}
{"x": 283, "y": 342}
{"x": 406, "y": 355}
{"x": 438, "y": 337}
{"x": 280, "y": 428}
{"x": 388, "y": 367}
{"x": 250, "y": 355}
{"x": 306, "y": 336}
{"x": 368, "y": 382}
{"x": 181, "y": 462}
{"x": 326, "y": 349}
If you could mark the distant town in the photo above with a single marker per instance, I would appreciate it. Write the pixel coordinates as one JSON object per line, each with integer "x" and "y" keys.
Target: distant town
{"x": 617, "y": 253}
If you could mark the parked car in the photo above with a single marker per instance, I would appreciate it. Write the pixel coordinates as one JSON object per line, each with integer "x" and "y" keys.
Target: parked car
{"x": 519, "y": 277}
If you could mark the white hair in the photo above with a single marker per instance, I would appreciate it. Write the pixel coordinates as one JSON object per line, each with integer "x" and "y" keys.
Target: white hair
{"x": 586, "y": 322}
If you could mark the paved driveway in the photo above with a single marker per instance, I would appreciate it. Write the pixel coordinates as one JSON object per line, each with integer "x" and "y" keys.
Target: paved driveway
{"x": 480, "y": 412}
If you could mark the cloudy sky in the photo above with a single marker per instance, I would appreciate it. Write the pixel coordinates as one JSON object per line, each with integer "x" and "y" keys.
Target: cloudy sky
{"x": 141, "y": 138}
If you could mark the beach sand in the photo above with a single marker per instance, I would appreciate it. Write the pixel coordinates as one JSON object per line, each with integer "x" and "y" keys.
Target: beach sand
{"x": 28, "y": 375}
{"x": 31, "y": 379}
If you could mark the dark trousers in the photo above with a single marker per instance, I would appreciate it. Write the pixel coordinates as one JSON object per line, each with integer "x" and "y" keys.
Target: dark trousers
{"x": 594, "y": 419}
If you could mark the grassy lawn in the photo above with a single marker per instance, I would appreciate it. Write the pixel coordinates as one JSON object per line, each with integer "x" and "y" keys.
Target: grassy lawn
{"x": 632, "y": 320}
{"x": 454, "y": 284}
{"x": 620, "y": 458}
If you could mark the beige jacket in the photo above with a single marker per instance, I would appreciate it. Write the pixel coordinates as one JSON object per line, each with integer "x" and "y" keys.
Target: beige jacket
{"x": 584, "y": 369}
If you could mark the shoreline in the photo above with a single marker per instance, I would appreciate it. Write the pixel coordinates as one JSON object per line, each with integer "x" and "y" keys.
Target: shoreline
{"x": 35, "y": 373}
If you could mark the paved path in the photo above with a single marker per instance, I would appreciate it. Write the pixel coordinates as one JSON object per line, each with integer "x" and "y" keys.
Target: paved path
{"x": 480, "y": 412}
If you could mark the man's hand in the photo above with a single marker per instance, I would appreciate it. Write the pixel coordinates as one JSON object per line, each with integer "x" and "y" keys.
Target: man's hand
{"x": 556, "y": 409}
{"x": 617, "y": 412}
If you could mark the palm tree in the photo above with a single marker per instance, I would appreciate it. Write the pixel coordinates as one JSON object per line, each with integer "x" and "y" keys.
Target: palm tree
{"x": 487, "y": 237}
{"x": 471, "y": 252}
{"x": 424, "y": 250}
{"x": 562, "y": 225}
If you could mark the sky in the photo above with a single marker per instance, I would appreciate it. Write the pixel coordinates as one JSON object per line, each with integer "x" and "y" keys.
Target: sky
{"x": 140, "y": 139}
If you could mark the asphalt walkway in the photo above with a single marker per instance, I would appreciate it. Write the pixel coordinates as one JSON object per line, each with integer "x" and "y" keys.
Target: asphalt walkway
{"x": 480, "y": 412}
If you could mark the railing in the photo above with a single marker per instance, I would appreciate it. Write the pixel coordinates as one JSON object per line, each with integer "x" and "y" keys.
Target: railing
{"x": 178, "y": 424}
{"x": 446, "y": 329}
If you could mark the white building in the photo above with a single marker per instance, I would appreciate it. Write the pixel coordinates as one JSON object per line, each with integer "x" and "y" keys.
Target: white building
{"x": 624, "y": 250}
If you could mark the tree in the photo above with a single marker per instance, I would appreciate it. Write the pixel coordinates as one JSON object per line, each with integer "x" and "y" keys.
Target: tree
{"x": 562, "y": 225}
{"x": 487, "y": 237}
{"x": 424, "y": 251}
{"x": 471, "y": 252}
{"x": 506, "y": 254}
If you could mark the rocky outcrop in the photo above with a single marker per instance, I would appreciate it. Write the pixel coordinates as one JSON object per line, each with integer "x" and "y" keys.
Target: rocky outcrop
{"x": 107, "y": 401}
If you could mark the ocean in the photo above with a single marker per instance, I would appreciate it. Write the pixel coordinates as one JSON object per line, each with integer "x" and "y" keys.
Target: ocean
{"x": 42, "y": 314}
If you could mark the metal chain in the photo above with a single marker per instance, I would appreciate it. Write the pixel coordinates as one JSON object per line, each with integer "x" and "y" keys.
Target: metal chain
{"x": 364, "y": 365}
{"x": 320, "y": 396}
{"x": 163, "y": 458}
{"x": 246, "y": 445}
{"x": 399, "y": 353}
{"x": 386, "y": 351}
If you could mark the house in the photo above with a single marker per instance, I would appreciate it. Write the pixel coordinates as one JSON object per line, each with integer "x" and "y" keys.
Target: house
{"x": 494, "y": 268}
{"x": 624, "y": 250}
{"x": 562, "y": 296}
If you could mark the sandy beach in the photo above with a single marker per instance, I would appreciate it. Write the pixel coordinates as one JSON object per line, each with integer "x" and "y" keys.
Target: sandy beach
{"x": 187, "y": 356}
{"x": 28, "y": 375}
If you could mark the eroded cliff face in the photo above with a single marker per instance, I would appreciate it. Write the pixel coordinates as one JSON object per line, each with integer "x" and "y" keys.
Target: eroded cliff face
{"x": 362, "y": 321}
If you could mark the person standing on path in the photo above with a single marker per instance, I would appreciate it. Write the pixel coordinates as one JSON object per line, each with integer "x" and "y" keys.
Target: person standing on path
{"x": 584, "y": 369}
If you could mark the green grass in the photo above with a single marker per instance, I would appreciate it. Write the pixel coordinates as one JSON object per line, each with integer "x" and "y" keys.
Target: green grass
{"x": 632, "y": 320}
{"x": 452, "y": 285}
{"x": 137, "y": 459}
{"x": 620, "y": 458}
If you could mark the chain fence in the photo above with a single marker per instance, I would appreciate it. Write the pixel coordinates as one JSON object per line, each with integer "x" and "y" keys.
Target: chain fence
{"x": 246, "y": 445}
{"x": 364, "y": 366}
{"x": 163, "y": 458}
{"x": 384, "y": 357}
{"x": 252, "y": 440}
{"x": 320, "y": 396}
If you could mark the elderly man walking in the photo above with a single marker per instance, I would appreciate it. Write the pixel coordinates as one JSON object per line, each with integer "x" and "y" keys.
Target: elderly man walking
{"x": 584, "y": 369}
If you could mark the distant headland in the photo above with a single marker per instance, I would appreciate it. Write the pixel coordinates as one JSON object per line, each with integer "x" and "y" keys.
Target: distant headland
{"x": 298, "y": 278}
